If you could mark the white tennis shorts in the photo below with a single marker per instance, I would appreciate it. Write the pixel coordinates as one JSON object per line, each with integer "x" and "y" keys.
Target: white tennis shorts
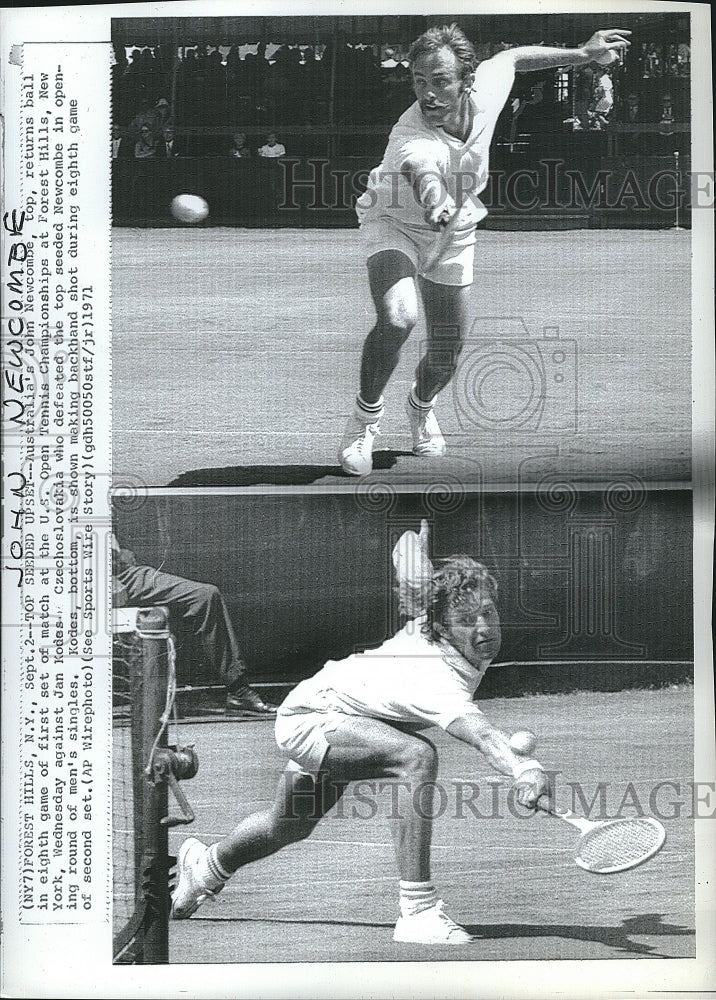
{"x": 303, "y": 737}
{"x": 456, "y": 266}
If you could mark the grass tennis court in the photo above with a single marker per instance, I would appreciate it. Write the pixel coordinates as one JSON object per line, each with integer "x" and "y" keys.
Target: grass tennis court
{"x": 511, "y": 881}
{"x": 236, "y": 353}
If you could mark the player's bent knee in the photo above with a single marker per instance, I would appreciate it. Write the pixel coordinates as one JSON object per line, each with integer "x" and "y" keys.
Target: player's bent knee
{"x": 398, "y": 311}
{"x": 419, "y": 759}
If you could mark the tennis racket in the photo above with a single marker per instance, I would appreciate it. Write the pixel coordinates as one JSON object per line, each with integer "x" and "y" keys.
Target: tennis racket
{"x": 443, "y": 238}
{"x": 613, "y": 845}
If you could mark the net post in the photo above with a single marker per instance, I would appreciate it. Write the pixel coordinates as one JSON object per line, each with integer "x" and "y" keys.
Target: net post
{"x": 677, "y": 170}
{"x": 152, "y": 803}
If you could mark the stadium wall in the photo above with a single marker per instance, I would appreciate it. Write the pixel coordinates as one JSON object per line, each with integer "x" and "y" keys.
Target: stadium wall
{"x": 595, "y": 586}
{"x": 563, "y": 186}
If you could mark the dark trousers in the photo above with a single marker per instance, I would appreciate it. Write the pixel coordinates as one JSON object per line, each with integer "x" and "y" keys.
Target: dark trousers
{"x": 195, "y": 609}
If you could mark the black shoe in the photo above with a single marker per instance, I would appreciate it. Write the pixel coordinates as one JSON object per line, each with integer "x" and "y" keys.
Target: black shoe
{"x": 246, "y": 701}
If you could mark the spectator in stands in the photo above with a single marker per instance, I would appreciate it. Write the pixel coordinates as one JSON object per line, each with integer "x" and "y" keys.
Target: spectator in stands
{"x": 116, "y": 142}
{"x": 672, "y": 61}
{"x": 238, "y": 149}
{"x": 160, "y": 115}
{"x": 668, "y": 141}
{"x": 652, "y": 61}
{"x": 270, "y": 152}
{"x": 146, "y": 183}
{"x": 313, "y": 104}
{"x": 190, "y": 87}
{"x": 603, "y": 98}
{"x": 145, "y": 148}
{"x": 396, "y": 85}
{"x": 684, "y": 59}
{"x": 666, "y": 119}
{"x": 272, "y": 147}
{"x": 632, "y": 113}
{"x": 169, "y": 147}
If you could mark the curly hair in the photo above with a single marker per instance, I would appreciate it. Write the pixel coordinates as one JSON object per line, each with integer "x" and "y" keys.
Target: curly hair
{"x": 457, "y": 579}
{"x": 446, "y": 36}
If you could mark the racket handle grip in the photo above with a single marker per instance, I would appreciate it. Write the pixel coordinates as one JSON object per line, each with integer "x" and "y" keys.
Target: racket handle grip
{"x": 566, "y": 815}
{"x": 544, "y": 804}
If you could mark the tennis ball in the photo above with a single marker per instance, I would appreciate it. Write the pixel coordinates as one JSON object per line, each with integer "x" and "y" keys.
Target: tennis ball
{"x": 189, "y": 208}
{"x": 523, "y": 742}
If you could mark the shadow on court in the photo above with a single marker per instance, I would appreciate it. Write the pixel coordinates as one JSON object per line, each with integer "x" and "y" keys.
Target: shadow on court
{"x": 618, "y": 939}
{"x": 284, "y": 475}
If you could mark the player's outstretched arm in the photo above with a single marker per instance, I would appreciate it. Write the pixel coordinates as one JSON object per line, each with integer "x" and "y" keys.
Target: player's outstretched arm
{"x": 530, "y": 57}
{"x": 528, "y": 774}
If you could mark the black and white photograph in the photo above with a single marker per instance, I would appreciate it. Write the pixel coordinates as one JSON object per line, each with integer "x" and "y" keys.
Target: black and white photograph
{"x": 358, "y": 501}
{"x": 396, "y": 282}
{"x": 442, "y": 663}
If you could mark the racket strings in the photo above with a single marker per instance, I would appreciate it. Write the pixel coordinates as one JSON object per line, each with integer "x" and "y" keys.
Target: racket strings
{"x": 618, "y": 844}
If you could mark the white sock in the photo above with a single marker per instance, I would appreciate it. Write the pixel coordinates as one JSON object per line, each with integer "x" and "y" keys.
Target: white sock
{"x": 212, "y": 874}
{"x": 416, "y": 402}
{"x": 369, "y": 411}
{"x": 416, "y": 897}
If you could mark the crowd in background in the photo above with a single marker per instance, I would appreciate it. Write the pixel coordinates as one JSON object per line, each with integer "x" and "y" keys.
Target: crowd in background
{"x": 232, "y": 100}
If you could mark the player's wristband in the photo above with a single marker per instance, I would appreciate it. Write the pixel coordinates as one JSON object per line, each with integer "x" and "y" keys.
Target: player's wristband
{"x": 526, "y": 765}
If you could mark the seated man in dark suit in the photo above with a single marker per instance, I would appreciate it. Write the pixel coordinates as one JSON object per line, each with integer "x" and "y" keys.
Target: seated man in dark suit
{"x": 198, "y": 608}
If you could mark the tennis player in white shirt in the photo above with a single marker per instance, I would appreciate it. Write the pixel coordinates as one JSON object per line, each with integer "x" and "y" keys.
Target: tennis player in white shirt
{"x": 436, "y": 164}
{"x": 362, "y": 718}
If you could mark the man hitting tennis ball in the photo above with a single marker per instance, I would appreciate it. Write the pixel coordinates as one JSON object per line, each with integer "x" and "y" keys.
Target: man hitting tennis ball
{"x": 362, "y": 718}
{"x": 418, "y": 218}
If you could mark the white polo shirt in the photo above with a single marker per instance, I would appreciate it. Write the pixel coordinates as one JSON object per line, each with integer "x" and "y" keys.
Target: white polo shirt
{"x": 407, "y": 679}
{"x": 390, "y": 196}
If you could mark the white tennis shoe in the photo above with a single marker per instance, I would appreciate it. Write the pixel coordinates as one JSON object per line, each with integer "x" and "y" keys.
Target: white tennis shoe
{"x": 191, "y": 890}
{"x": 428, "y": 441}
{"x": 431, "y": 926}
{"x": 356, "y": 454}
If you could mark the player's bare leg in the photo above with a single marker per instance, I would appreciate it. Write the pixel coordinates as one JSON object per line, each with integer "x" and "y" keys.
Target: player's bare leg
{"x": 446, "y": 321}
{"x": 411, "y": 760}
{"x": 392, "y": 286}
{"x": 447, "y": 317}
{"x": 369, "y": 748}
{"x": 392, "y": 283}
{"x": 359, "y": 748}
{"x": 300, "y": 801}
